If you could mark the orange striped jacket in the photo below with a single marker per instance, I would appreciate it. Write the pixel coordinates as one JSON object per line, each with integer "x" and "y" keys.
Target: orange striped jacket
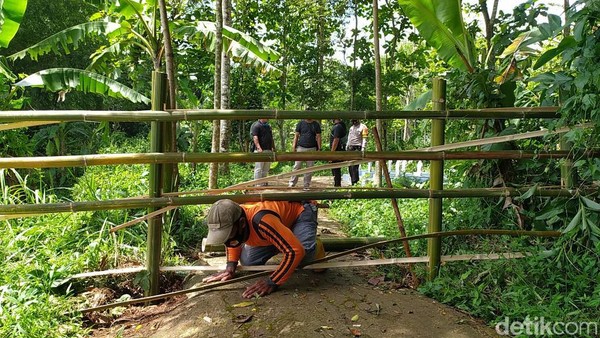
{"x": 270, "y": 223}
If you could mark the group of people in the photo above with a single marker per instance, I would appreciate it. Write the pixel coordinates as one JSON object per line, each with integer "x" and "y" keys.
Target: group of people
{"x": 307, "y": 137}
{"x": 254, "y": 232}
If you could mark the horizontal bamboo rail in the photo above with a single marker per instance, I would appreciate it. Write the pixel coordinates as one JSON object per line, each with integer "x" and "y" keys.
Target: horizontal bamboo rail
{"x": 135, "y": 203}
{"x": 152, "y": 158}
{"x": 224, "y": 114}
{"x": 330, "y": 257}
{"x": 324, "y": 265}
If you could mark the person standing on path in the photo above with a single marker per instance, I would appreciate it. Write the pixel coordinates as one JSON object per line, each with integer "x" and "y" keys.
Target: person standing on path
{"x": 262, "y": 137}
{"x": 306, "y": 138}
{"x": 335, "y": 142}
{"x": 357, "y": 141}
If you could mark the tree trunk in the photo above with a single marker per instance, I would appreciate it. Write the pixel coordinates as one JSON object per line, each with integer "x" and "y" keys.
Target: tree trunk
{"x": 378, "y": 100}
{"x": 489, "y": 20}
{"x": 283, "y": 82}
{"x": 567, "y": 29}
{"x": 213, "y": 170}
{"x": 353, "y": 74}
{"x": 171, "y": 170}
{"x": 225, "y": 134}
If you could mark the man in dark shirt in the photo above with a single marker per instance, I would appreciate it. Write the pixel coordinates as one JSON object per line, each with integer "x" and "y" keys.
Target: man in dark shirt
{"x": 262, "y": 138}
{"x": 306, "y": 138}
{"x": 335, "y": 142}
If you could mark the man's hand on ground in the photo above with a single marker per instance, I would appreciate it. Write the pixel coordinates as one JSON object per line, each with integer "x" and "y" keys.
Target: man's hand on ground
{"x": 262, "y": 288}
{"x": 219, "y": 277}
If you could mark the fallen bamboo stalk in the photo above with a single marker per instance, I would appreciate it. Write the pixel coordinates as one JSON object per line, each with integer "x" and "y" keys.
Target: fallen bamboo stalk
{"x": 143, "y": 218}
{"x": 397, "y": 213}
{"x": 330, "y": 257}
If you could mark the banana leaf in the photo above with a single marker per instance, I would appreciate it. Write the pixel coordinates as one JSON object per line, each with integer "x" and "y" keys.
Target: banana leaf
{"x": 70, "y": 36}
{"x": 240, "y": 46}
{"x": 10, "y": 19}
{"x": 62, "y": 79}
{"x": 441, "y": 24}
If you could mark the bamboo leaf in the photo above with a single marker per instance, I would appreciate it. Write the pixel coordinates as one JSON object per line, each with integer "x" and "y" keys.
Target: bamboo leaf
{"x": 574, "y": 222}
{"x": 590, "y": 204}
{"x": 63, "y": 39}
{"x": 441, "y": 24}
{"x": 528, "y": 193}
{"x": 56, "y": 79}
{"x": 10, "y": 19}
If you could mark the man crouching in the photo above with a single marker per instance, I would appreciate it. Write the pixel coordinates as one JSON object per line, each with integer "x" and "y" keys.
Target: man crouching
{"x": 255, "y": 232}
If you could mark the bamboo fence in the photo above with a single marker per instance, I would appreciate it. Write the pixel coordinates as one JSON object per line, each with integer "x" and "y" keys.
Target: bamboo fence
{"x": 161, "y": 159}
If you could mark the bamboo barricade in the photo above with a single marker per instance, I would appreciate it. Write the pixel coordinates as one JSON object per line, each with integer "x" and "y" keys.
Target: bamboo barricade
{"x": 249, "y": 114}
{"x": 330, "y": 257}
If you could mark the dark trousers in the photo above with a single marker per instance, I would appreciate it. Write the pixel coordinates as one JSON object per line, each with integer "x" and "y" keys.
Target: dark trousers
{"x": 337, "y": 175}
{"x": 353, "y": 169}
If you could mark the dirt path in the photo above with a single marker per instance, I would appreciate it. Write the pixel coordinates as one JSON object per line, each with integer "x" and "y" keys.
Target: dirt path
{"x": 345, "y": 302}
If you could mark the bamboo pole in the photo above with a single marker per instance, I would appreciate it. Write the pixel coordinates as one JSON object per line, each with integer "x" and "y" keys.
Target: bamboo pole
{"x": 330, "y": 243}
{"x": 158, "y": 202}
{"x": 436, "y": 180}
{"x": 397, "y": 213}
{"x": 567, "y": 172}
{"x": 240, "y": 114}
{"x": 155, "y": 224}
{"x": 330, "y": 257}
{"x": 324, "y": 265}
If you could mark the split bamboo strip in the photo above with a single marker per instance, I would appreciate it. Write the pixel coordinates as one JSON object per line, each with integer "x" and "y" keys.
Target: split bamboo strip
{"x": 324, "y": 265}
{"x": 7, "y": 217}
{"x": 158, "y": 202}
{"x": 175, "y": 293}
{"x": 25, "y": 124}
{"x": 143, "y": 218}
{"x": 327, "y": 258}
{"x": 228, "y": 114}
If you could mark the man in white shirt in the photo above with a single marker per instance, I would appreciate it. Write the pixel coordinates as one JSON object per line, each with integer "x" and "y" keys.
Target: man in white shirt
{"x": 357, "y": 141}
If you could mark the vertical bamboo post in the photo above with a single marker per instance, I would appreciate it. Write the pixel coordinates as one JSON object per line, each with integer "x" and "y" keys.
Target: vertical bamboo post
{"x": 155, "y": 224}
{"x": 436, "y": 179}
{"x": 567, "y": 175}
